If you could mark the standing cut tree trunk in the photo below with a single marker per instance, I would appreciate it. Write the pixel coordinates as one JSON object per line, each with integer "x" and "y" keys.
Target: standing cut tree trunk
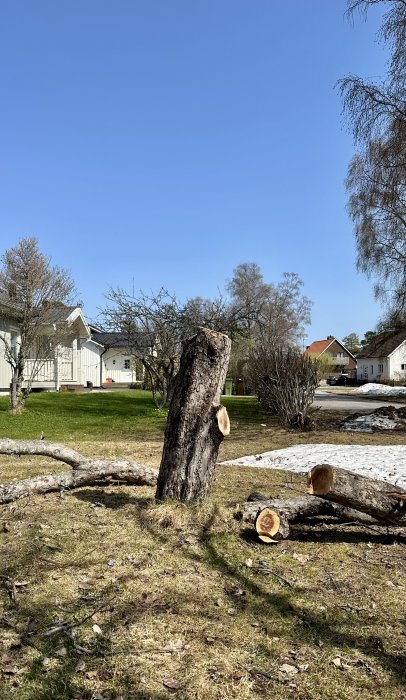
{"x": 196, "y": 421}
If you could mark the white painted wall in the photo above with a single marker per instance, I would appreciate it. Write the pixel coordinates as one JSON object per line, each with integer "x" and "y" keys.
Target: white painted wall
{"x": 373, "y": 369}
{"x": 368, "y": 368}
{"x": 5, "y": 370}
{"x": 397, "y": 359}
{"x": 114, "y": 366}
{"x": 90, "y": 362}
{"x": 78, "y": 363}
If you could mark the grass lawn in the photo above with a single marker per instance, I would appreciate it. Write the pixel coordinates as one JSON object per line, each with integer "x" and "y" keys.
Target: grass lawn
{"x": 171, "y": 600}
{"x": 89, "y": 416}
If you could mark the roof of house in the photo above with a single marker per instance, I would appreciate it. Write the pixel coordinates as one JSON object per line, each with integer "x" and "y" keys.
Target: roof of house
{"x": 54, "y": 314}
{"x": 383, "y": 344}
{"x": 111, "y": 340}
{"x": 58, "y": 314}
{"x": 117, "y": 339}
{"x": 319, "y": 346}
{"x": 8, "y": 303}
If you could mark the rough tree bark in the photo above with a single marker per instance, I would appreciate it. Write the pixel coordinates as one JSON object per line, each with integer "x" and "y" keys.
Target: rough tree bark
{"x": 383, "y": 501}
{"x": 196, "y": 421}
{"x": 285, "y": 513}
{"x": 85, "y": 470}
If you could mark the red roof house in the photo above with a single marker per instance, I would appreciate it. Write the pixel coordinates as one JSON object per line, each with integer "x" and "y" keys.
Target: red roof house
{"x": 341, "y": 359}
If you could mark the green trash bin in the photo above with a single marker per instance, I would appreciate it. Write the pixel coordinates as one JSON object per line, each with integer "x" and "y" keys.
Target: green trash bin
{"x": 228, "y": 387}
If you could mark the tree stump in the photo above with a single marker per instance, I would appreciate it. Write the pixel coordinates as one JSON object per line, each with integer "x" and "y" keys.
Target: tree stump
{"x": 196, "y": 422}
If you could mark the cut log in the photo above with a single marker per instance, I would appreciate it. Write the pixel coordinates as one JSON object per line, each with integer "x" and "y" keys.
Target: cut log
{"x": 196, "y": 422}
{"x": 294, "y": 510}
{"x": 285, "y": 512}
{"x": 381, "y": 500}
{"x": 85, "y": 470}
{"x": 267, "y": 525}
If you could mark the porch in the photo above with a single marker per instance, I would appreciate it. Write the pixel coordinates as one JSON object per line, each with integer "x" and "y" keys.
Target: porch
{"x": 50, "y": 373}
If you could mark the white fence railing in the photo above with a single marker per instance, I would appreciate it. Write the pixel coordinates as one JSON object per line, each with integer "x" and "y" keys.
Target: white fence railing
{"x": 44, "y": 370}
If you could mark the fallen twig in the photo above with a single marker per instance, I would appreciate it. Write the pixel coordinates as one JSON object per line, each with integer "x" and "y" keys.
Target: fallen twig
{"x": 266, "y": 569}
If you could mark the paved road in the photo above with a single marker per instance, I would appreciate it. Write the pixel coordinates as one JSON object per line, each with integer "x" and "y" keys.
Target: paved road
{"x": 332, "y": 402}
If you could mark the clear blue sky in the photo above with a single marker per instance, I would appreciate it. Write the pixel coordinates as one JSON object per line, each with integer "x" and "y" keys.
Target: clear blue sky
{"x": 162, "y": 142}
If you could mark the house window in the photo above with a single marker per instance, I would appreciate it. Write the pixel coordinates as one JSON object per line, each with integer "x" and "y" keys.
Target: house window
{"x": 403, "y": 367}
{"x": 340, "y": 354}
{"x": 380, "y": 369}
{"x": 127, "y": 364}
{"x": 372, "y": 369}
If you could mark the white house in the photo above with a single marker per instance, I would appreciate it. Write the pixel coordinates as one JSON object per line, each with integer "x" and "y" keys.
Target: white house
{"x": 56, "y": 358}
{"x": 117, "y": 364}
{"x": 68, "y": 352}
{"x": 384, "y": 358}
{"x": 9, "y": 330}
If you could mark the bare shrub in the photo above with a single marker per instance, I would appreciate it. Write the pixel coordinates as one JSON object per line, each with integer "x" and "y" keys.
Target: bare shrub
{"x": 285, "y": 381}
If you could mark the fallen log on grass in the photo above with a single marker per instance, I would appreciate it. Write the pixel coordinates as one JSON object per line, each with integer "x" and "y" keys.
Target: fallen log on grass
{"x": 86, "y": 471}
{"x": 383, "y": 501}
{"x": 274, "y": 517}
{"x": 45, "y": 449}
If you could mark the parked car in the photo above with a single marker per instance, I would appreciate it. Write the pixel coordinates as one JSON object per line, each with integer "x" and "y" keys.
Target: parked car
{"x": 331, "y": 379}
{"x": 338, "y": 379}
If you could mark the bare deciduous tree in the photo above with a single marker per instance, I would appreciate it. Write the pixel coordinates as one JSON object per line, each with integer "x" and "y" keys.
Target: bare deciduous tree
{"x": 249, "y": 293}
{"x": 153, "y": 324}
{"x": 377, "y": 204}
{"x": 376, "y": 112}
{"x": 156, "y": 324}
{"x": 373, "y": 106}
{"x": 277, "y": 315}
{"x": 32, "y": 286}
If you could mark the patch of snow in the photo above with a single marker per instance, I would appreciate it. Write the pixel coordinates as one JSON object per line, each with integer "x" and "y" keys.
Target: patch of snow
{"x": 386, "y": 462}
{"x": 369, "y": 423}
{"x": 384, "y": 418}
{"x": 380, "y": 389}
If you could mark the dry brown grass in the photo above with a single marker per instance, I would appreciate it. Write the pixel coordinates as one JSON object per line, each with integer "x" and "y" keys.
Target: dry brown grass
{"x": 178, "y": 592}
